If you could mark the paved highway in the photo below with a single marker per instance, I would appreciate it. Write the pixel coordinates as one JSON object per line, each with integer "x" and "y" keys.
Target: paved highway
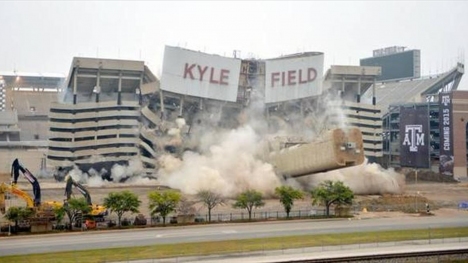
{"x": 165, "y": 235}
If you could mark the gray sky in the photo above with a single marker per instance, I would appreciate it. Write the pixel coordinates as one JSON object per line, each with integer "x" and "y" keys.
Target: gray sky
{"x": 43, "y": 36}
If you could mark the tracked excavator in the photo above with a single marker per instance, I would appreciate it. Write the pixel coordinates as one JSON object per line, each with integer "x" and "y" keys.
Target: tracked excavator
{"x": 16, "y": 167}
{"x": 98, "y": 212}
{"x": 14, "y": 190}
{"x": 43, "y": 211}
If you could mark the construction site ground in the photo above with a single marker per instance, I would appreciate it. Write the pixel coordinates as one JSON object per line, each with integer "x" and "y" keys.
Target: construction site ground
{"x": 443, "y": 198}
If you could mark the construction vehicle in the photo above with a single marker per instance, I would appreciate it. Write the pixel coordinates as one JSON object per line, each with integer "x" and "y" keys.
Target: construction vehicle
{"x": 44, "y": 212}
{"x": 140, "y": 220}
{"x": 98, "y": 212}
{"x": 23, "y": 225}
{"x": 16, "y": 167}
{"x": 13, "y": 189}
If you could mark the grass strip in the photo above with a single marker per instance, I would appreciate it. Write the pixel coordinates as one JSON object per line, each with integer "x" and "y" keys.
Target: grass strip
{"x": 233, "y": 246}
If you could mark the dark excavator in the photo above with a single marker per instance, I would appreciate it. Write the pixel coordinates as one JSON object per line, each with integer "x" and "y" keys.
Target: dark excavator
{"x": 43, "y": 211}
{"x": 16, "y": 167}
{"x": 96, "y": 210}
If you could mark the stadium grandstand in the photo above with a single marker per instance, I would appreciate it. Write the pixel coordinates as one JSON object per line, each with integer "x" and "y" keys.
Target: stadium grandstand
{"x": 24, "y": 110}
{"x": 96, "y": 124}
{"x": 424, "y": 93}
{"x": 416, "y": 90}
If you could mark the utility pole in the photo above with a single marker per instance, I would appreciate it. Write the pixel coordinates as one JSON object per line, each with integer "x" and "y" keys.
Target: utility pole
{"x": 9, "y": 205}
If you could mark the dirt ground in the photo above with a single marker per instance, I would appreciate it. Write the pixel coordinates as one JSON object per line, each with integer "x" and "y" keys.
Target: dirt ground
{"x": 443, "y": 198}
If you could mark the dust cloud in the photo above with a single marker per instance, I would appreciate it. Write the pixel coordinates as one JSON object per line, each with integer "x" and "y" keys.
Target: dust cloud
{"x": 364, "y": 179}
{"x": 131, "y": 174}
{"x": 230, "y": 161}
{"x": 228, "y": 167}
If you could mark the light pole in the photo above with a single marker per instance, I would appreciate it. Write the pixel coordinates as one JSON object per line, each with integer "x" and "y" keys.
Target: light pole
{"x": 417, "y": 201}
{"x": 9, "y": 205}
{"x": 416, "y": 176}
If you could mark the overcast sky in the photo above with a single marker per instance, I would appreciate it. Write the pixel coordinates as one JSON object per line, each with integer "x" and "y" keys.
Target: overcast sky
{"x": 43, "y": 36}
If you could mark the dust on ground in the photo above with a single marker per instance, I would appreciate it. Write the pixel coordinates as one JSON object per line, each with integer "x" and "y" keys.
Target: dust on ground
{"x": 443, "y": 199}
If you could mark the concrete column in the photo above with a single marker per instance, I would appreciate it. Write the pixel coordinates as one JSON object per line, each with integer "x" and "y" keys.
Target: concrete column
{"x": 119, "y": 92}
{"x": 140, "y": 99}
{"x": 75, "y": 82}
{"x": 98, "y": 85}
{"x": 342, "y": 88}
{"x": 374, "y": 99}
{"x": 161, "y": 101}
{"x": 302, "y": 108}
{"x": 358, "y": 97}
{"x": 181, "y": 105}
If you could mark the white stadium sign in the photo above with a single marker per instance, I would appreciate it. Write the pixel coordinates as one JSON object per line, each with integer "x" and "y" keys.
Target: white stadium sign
{"x": 293, "y": 78}
{"x": 201, "y": 75}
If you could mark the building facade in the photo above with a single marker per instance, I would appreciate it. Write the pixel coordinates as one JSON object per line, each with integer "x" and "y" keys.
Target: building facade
{"x": 24, "y": 108}
{"x": 446, "y": 115}
{"x": 96, "y": 124}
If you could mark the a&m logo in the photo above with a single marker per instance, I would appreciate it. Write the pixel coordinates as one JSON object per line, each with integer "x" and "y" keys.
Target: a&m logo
{"x": 413, "y": 137}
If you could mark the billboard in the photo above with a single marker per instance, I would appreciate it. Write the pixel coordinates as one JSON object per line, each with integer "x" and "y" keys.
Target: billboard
{"x": 201, "y": 75}
{"x": 293, "y": 78}
{"x": 401, "y": 65}
{"x": 446, "y": 160}
{"x": 414, "y": 137}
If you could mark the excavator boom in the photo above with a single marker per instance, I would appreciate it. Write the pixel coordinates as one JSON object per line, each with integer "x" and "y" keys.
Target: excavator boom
{"x": 80, "y": 187}
{"x": 4, "y": 188}
{"x": 96, "y": 210}
{"x": 16, "y": 167}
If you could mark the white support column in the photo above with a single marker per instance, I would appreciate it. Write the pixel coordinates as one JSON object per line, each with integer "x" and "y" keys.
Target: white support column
{"x": 182, "y": 99}
{"x": 75, "y": 83}
{"x": 119, "y": 91}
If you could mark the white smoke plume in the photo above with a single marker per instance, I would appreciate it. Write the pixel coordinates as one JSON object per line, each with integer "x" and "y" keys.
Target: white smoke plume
{"x": 364, "y": 179}
{"x": 228, "y": 167}
{"x": 77, "y": 175}
{"x": 134, "y": 168}
{"x": 132, "y": 173}
{"x": 96, "y": 181}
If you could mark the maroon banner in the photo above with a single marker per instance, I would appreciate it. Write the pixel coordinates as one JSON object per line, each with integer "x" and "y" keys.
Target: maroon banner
{"x": 446, "y": 138}
{"x": 414, "y": 137}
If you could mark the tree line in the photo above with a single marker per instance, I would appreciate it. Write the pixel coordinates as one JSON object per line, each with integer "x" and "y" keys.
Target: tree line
{"x": 163, "y": 203}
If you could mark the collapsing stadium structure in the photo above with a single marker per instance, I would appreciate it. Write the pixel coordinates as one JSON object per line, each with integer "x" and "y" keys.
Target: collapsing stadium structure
{"x": 115, "y": 112}
{"x": 111, "y": 112}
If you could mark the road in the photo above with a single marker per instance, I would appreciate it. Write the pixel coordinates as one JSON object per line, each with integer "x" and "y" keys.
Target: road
{"x": 199, "y": 233}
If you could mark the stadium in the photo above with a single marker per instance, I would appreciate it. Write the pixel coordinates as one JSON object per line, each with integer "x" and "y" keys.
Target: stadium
{"x": 108, "y": 112}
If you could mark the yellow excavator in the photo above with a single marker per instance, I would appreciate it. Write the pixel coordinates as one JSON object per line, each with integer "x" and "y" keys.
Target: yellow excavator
{"x": 14, "y": 190}
{"x": 98, "y": 212}
{"x": 43, "y": 209}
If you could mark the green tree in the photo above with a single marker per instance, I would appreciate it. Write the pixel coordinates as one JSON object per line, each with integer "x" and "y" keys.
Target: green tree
{"x": 76, "y": 208}
{"x": 121, "y": 203}
{"x": 332, "y": 192}
{"x": 249, "y": 199}
{"x": 16, "y": 214}
{"x": 163, "y": 203}
{"x": 287, "y": 195}
{"x": 210, "y": 200}
{"x": 59, "y": 214}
